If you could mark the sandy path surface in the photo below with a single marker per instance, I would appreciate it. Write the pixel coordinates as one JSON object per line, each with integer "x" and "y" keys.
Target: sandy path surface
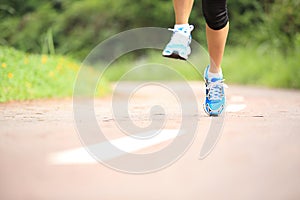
{"x": 257, "y": 156}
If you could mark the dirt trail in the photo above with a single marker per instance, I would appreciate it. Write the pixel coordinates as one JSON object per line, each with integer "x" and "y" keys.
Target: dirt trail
{"x": 257, "y": 157}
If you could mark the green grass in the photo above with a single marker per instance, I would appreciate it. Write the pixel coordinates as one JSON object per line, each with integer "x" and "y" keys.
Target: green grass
{"x": 250, "y": 65}
{"x": 151, "y": 67}
{"x": 244, "y": 65}
{"x": 29, "y": 76}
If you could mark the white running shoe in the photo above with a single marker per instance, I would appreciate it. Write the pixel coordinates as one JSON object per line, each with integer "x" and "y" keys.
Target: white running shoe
{"x": 179, "y": 45}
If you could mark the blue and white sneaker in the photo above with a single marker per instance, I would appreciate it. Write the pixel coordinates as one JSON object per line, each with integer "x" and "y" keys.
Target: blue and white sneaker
{"x": 215, "y": 95}
{"x": 179, "y": 45}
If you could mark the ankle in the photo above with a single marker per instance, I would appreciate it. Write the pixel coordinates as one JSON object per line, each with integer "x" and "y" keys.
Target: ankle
{"x": 184, "y": 28}
{"x": 181, "y": 26}
{"x": 215, "y": 72}
{"x": 215, "y": 69}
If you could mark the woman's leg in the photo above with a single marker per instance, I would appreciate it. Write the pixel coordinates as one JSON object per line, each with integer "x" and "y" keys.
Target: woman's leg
{"x": 217, "y": 26}
{"x": 216, "y": 40}
{"x": 182, "y": 10}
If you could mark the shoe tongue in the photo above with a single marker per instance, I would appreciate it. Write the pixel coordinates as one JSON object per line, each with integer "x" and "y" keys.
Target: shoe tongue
{"x": 215, "y": 79}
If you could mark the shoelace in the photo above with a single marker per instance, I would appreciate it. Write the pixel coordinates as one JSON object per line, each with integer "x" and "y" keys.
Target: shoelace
{"x": 179, "y": 37}
{"x": 215, "y": 90}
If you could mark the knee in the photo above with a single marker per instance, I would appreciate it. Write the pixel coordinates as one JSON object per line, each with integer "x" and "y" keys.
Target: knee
{"x": 215, "y": 13}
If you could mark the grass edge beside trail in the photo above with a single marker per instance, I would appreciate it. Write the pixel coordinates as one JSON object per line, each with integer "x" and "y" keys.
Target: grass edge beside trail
{"x": 31, "y": 76}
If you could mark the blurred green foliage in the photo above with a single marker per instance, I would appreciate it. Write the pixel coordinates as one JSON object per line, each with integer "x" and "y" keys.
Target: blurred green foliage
{"x": 74, "y": 27}
{"x": 283, "y": 26}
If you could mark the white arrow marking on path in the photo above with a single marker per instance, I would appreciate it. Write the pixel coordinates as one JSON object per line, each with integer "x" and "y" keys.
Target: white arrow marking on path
{"x": 235, "y": 107}
{"x": 126, "y": 144}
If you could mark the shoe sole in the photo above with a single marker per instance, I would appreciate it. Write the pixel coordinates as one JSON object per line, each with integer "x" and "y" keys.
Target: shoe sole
{"x": 214, "y": 114}
{"x": 174, "y": 55}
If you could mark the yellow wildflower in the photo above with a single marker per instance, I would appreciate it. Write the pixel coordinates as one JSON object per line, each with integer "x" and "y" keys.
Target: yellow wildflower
{"x": 26, "y": 60}
{"x": 58, "y": 67}
{"x": 44, "y": 59}
{"x": 74, "y": 66}
{"x": 3, "y": 65}
{"x": 10, "y": 75}
{"x": 51, "y": 73}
